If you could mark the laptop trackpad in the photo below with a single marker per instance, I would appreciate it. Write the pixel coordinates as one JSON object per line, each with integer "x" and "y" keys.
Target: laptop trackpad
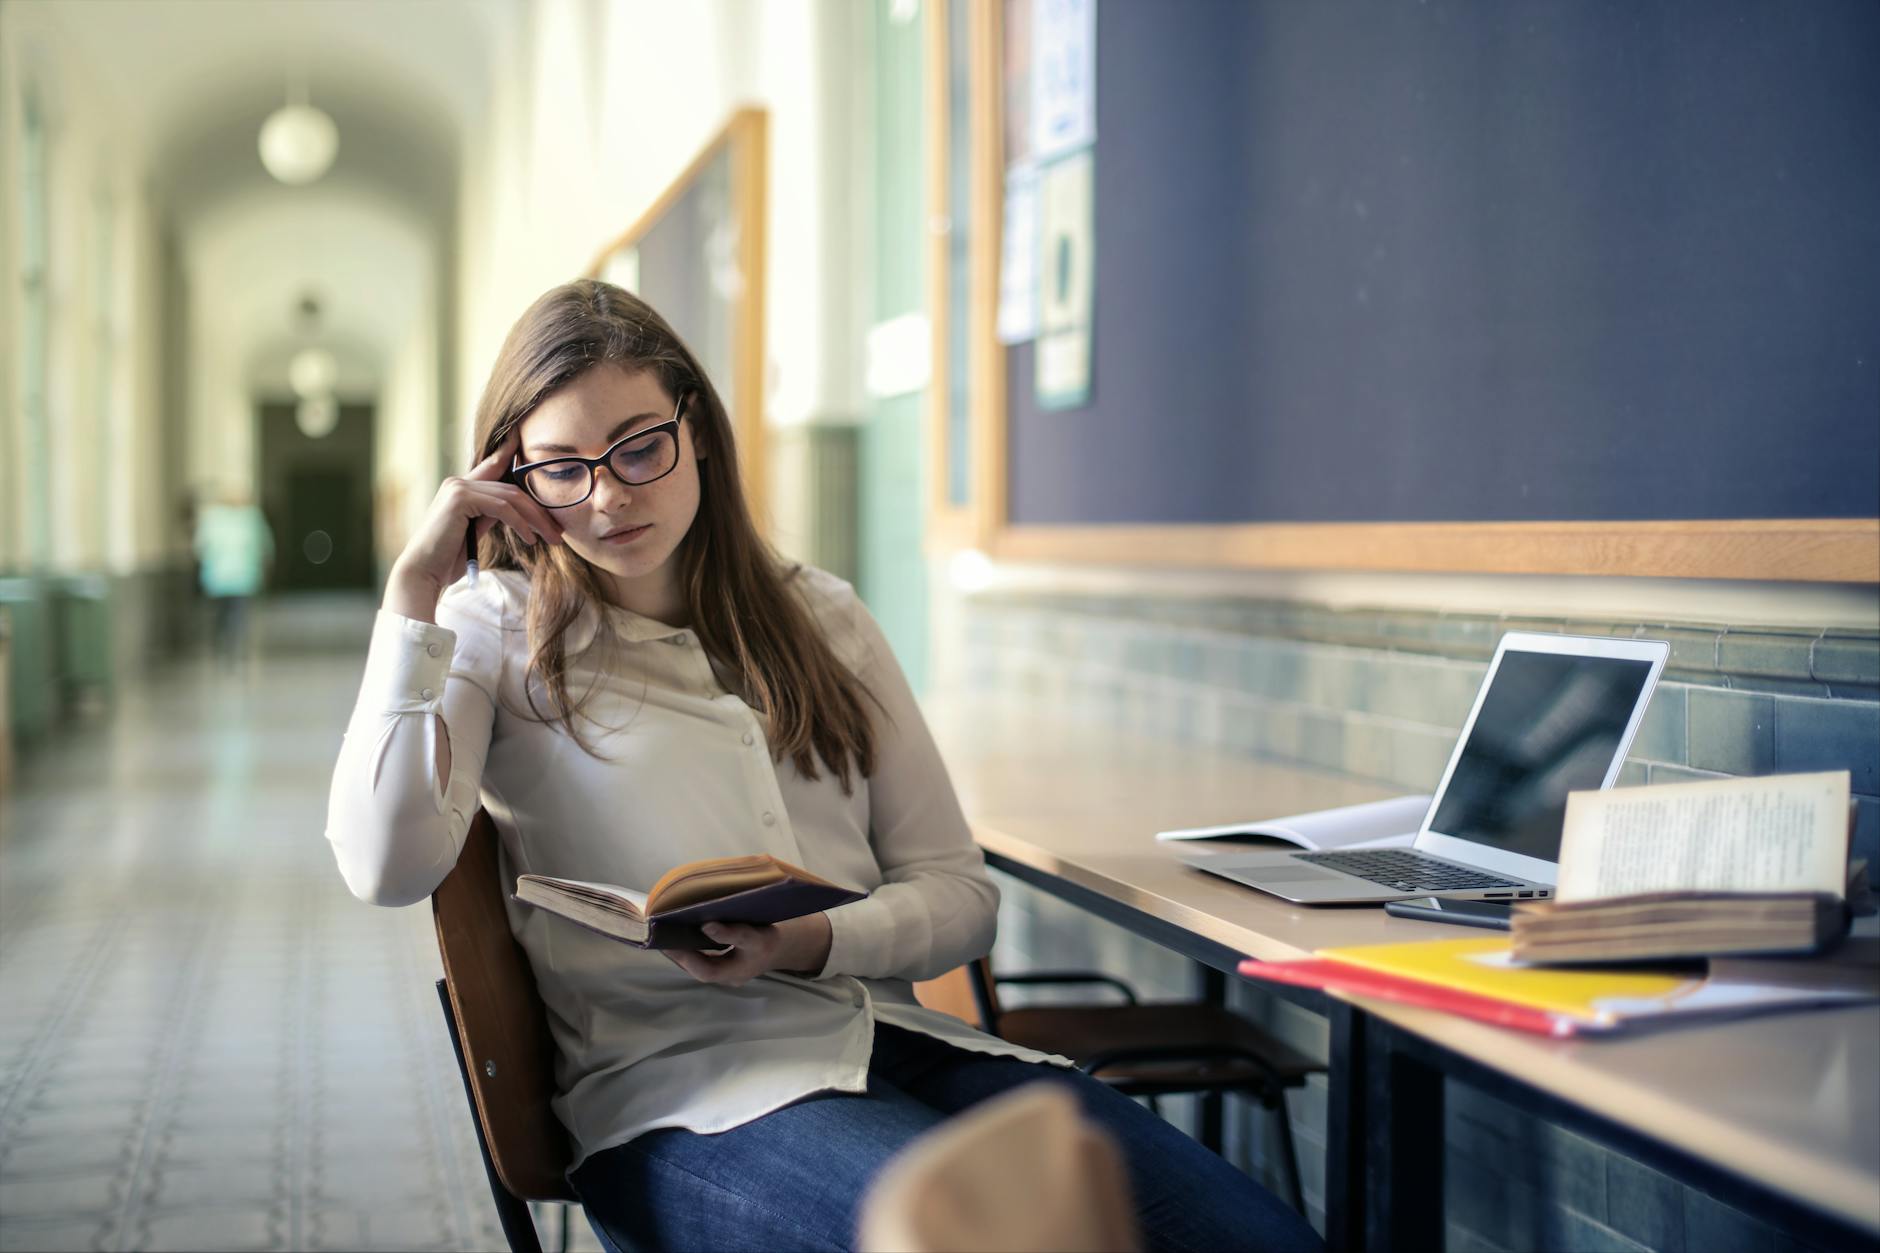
{"x": 1289, "y": 874}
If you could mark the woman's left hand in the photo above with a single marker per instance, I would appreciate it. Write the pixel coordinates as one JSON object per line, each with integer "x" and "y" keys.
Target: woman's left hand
{"x": 795, "y": 946}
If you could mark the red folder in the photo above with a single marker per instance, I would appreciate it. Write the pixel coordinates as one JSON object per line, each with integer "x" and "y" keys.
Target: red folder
{"x": 1335, "y": 976}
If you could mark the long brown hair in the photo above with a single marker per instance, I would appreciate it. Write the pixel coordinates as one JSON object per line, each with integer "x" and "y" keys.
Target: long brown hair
{"x": 749, "y": 618}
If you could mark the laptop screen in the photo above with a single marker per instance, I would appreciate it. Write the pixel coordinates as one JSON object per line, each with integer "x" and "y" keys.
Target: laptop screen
{"x": 1550, "y": 724}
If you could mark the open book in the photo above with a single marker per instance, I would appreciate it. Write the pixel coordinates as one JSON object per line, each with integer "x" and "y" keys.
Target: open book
{"x": 1730, "y": 866}
{"x": 755, "y": 889}
{"x": 1389, "y": 823}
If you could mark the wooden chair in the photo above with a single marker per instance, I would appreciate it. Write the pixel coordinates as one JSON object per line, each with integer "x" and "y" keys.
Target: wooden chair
{"x": 1147, "y": 1050}
{"x": 499, "y": 1029}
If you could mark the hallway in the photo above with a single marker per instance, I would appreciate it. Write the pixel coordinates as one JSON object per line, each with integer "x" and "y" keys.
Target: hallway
{"x": 207, "y": 1042}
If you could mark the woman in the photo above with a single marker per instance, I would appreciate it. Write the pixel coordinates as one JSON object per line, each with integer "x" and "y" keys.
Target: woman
{"x": 636, "y": 681}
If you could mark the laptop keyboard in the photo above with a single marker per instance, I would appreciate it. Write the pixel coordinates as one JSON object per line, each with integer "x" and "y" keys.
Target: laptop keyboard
{"x": 1405, "y": 871}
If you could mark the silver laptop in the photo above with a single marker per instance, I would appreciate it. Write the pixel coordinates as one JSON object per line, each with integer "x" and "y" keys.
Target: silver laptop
{"x": 1555, "y": 714}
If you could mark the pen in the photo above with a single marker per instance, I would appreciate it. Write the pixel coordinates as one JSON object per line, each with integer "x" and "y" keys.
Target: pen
{"x": 470, "y": 547}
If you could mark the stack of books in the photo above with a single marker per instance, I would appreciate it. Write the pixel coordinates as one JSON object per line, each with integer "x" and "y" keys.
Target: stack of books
{"x": 1692, "y": 877}
{"x": 1730, "y": 867}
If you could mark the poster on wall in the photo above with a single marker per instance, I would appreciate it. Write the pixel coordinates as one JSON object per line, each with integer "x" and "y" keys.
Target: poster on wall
{"x": 1067, "y": 279}
{"x": 1047, "y": 244}
{"x": 1063, "y": 103}
{"x": 1018, "y": 259}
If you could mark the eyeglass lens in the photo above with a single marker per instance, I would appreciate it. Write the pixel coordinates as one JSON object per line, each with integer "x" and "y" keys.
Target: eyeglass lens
{"x": 635, "y": 461}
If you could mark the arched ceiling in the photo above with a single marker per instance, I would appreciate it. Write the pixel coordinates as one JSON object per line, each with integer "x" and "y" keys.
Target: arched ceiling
{"x": 195, "y": 78}
{"x": 407, "y": 84}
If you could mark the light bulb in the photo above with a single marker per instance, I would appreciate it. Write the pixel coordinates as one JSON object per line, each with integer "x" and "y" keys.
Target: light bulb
{"x": 312, "y": 372}
{"x": 298, "y": 143}
{"x": 316, "y": 416}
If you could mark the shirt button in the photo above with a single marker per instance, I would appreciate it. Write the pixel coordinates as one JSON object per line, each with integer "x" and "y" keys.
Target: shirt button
{"x": 434, "y": 649}
{"x": 425, "y": 694}
{"x": 770, "y": 819}
{"x": 749, "y": 738}
{"x": 683, "y": 637}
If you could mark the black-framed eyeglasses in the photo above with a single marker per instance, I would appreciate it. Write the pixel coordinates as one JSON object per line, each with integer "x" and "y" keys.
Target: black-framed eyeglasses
{"x": 645, "y": 456}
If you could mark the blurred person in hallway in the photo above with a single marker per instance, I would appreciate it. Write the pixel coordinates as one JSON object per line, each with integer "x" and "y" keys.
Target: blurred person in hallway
{"x": 233, "y": 548}
{"x": 636, "y": 680}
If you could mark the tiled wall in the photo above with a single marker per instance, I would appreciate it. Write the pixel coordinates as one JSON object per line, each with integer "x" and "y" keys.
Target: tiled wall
{"x": 1379, "y": 695}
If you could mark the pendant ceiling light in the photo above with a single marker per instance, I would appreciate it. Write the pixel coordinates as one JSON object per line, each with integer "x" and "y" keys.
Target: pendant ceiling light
{"x": 316, "y": 416}
{"x": 298, "y": 141}
{"x": 312, "y": 372}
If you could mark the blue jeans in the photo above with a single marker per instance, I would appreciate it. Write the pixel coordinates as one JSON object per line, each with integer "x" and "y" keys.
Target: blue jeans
{"x": 794, "y": 1179}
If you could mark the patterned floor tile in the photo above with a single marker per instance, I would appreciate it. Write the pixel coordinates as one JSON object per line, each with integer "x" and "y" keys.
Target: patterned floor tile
{"x": 214, "y": 1046}
{"x": 253, "y": 1184}
{"x": 27, "y": 1157}
{"x": 55, "y": 1236}
{"x": 53, "y": 1196}
{"x": 211, "y": 1231}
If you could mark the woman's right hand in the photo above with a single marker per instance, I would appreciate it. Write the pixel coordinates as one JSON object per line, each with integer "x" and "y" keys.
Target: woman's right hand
{"x": 435, "y": 555}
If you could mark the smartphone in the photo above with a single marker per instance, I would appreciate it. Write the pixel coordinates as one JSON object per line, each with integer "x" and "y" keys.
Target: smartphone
{"x": 1492, "y": 914}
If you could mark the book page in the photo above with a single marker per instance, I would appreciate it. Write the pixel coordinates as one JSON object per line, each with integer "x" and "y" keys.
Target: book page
{"x": 714, "y": 877}
{"x": 536, "y": 888}
{"x": 1785, "y": 833}
{"x": 1380, "y": 824}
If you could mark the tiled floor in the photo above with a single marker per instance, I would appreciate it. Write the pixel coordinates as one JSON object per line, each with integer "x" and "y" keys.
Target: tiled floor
{"x": 205, "y": 1041}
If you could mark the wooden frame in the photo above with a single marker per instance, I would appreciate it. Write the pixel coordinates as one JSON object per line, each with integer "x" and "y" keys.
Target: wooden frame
{"x": 1838, "y": 550}
{"x": 747, "y": 136}
{"x": 948, "y": 525}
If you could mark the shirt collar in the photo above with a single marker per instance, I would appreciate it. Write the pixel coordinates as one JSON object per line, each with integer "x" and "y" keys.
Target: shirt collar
{"x": 628, "y": 626}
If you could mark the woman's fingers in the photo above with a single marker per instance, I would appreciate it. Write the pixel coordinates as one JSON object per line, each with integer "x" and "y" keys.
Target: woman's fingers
{"x": 751, "y": 954}
{"x": 509, "y": 505}
{"x": 498, "y": 462}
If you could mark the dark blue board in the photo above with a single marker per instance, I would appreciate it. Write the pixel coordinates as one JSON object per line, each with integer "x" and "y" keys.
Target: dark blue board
{"x": 1484, "y": 261}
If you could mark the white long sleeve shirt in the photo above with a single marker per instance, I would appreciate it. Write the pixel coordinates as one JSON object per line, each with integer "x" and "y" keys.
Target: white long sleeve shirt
{"x": 684, "y": 771}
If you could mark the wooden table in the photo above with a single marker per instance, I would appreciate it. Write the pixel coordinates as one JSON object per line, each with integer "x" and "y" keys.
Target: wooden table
{"x": 1778, "y": 1115}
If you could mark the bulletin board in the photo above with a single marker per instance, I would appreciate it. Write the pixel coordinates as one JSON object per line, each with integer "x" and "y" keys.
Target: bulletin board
{"x": 1523, "y": 287}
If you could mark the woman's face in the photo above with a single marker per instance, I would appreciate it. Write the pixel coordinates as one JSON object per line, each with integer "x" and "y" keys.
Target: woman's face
{"x": 628, "y": 533}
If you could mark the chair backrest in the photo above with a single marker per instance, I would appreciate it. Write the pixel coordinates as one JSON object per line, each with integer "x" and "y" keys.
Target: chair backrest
{"x": 952, "y": 993}
{"x": 501, "y": 1024}
{"x": 1024, "y": 1172}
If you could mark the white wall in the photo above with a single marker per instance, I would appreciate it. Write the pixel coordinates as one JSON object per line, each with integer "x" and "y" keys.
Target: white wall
{"x": 598, "y": 107}
{"x": 106, "y": 511}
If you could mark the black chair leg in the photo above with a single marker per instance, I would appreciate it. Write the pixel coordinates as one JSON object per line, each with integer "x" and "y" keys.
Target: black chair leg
{"x": 1289, "y": 1152}
{"x": 511, "y": 1210}
{"x": 559, "y": 1210}
{"x": 1213, "y": 1120}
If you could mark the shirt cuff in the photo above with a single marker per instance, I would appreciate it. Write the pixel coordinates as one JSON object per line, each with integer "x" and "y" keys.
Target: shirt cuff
{"x": 407, "y": 663}
{"x": 858, "y": 931}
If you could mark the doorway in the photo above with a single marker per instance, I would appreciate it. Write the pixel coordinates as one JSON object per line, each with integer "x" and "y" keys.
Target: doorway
{"x": 317, "y": 495}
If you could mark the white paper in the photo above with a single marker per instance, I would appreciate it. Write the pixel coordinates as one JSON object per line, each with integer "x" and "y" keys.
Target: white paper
{"x": 1018, "y": 261}
{"x": 1786, "y": 833}
{"x": 1063, "y": 76}
{"x": 1066, "y": 281}
{"x": 1389, "y": 823}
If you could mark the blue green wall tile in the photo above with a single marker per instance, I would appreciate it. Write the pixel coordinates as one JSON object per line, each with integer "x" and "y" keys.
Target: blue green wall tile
{"x": 1829, "y": 735}
{"x": 1664, "y": 735}
{"x": 1846, "y": 659}
{"x": 1772, "y": 653}
{"x": 1732, "y": 732}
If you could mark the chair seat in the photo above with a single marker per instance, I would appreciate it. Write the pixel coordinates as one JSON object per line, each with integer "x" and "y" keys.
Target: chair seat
{"x": 1082, "y": 1032}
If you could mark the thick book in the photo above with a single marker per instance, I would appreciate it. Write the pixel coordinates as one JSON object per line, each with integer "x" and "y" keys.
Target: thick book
{"x": 1480, "y": 979}
{"x": 1375, "y": 824}
{"x": 755, "y": 890}
{"x": 1724, "y": 867}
